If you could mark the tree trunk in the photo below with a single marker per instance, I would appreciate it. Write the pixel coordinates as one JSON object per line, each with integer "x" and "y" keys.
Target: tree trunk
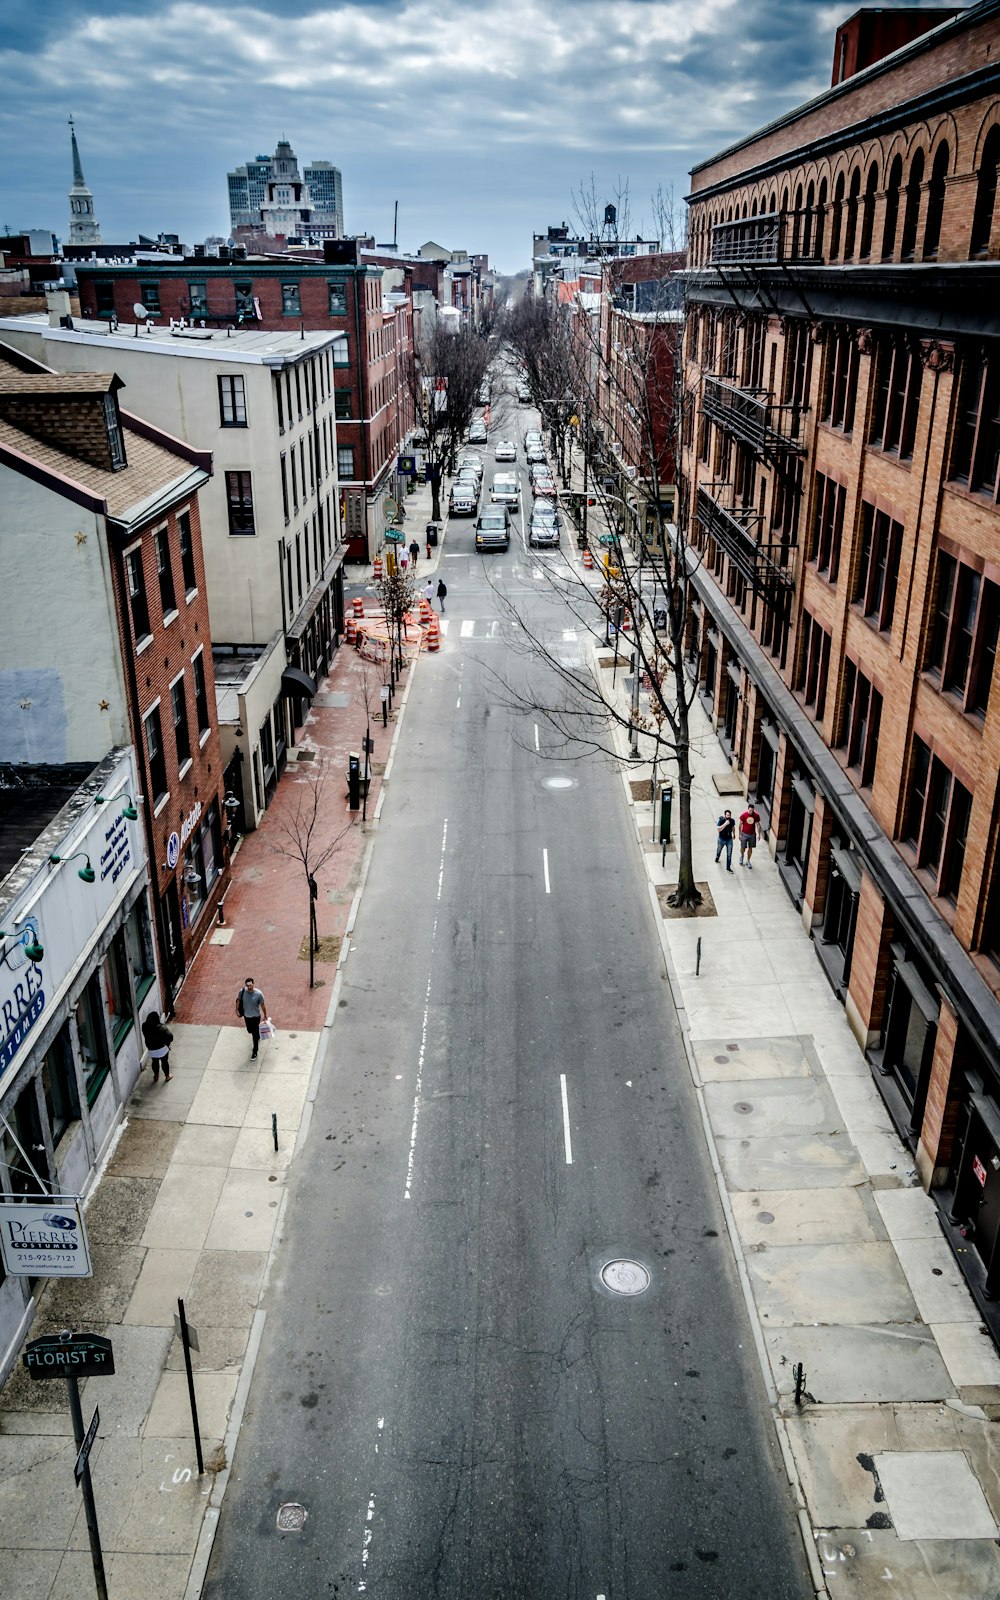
{"x": 687, "y": 892}
{"x": 435, "y": 473}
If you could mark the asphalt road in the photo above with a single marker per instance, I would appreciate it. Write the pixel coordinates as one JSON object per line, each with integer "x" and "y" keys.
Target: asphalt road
{"x": 447, "y": 1385}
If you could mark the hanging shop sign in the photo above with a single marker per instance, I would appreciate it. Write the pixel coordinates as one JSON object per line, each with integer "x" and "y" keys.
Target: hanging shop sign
{"x": 44, "y": 1238}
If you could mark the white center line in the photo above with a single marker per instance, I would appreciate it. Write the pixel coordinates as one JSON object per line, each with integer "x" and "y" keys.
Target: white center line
{"x": 421, "y": 1055}
{"x": 565, "y": 1109}
{"x": 536, "y": 736}
{"x": 545, "y": 869}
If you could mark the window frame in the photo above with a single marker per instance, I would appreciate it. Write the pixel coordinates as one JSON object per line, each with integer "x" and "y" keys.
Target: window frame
{"x": 165, "y": 572}
{"x": 156, "y": 760}
{"x": 345, "y": 463}
{"x": 239, "y": 497}
{"x": 877, "y": 571}
{"x": 232, "y": 400}
{"x": 291, "y": 299}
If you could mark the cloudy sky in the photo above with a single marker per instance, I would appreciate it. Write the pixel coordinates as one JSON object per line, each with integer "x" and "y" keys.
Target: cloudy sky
{"x": 481, "y": 117}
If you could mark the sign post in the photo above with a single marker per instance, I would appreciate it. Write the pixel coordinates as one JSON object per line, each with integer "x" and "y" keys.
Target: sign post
{"x": 189, "y": 1342}
{"x": 74, "y": 1356}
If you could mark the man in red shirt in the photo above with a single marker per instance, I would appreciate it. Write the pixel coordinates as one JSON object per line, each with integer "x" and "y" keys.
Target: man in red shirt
{"x": 749, "y": 833}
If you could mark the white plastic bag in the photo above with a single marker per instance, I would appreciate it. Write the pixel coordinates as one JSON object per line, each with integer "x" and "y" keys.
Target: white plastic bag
{"x": 267, "y": 1028}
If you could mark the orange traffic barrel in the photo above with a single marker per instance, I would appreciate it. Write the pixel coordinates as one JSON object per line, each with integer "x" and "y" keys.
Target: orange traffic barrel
{"x": 588, "y": 560}
{"x": 359, "y": 606}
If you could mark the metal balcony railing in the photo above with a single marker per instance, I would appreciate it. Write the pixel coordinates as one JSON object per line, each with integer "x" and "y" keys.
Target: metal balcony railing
{"x": 751, "y": 416}
{"x": 777, "y": 236}
{"x": 738, "y": 530}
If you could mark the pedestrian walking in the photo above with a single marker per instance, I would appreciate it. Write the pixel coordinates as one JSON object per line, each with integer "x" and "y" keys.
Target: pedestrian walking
{"x": 158, "y": 1041}
{"x": 404, "y": 559}
{"x": 442, "y": 591}
{"x": 251, "y": 1007}
{"x": 725, "y": 830}
{"x": 749, "y": 833}
{"x": 414, "y": 553}
{"x": 429, "y": 592}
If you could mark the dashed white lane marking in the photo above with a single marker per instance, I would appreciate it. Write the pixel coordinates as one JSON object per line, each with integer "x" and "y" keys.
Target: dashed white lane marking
{"x": 467, "y": 630}
{"x": 565, "y": 1112}
{"x": 425, "y": 1020}
{"x": 536, "y": 736}
{"x": 545, "y": 869}
{"x": 366, "y": 1542}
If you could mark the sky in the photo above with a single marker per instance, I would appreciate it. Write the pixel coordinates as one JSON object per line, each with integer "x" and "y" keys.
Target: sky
{"x": 483, "y": 118}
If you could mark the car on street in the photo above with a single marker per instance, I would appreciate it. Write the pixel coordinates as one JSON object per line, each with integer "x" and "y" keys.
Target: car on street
{"x": 524, "y": 394}
{"x": 477, "y": 433}
{"x": 542, "y": 531}
{"x": 506, "y": 450}
{"x": 463, "y": 501}
{"x": 472, "y": 460}
{"x": 543, "y": 486}
{"x": 536, "y": 455}
{"x": 505, "y": 491}
{"x": 533, "y": 437}
{"x": 539, "y": 469}
{"x": 484, "y": 392}
{"x": 493, "y": 529}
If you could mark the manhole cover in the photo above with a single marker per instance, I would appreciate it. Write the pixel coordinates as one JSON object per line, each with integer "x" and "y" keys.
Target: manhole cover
{"x": 765, "y": 1216}
{"x": 291, "y": 1517}
{"x": 625, "y": 1277}
{"x": 560, "y": 783}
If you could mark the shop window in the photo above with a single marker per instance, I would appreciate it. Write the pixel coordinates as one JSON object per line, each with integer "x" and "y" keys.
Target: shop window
{"x": 767, "y": 766}
{"x": 58, "y": 1081}
{"x": 878, "y": 567}
{"x": 898, "y": 375}
{"x": 975, "y": 458}
{"x": 840, "y": 913}
{"x": 827, "y": 526}
{"x": 154, "y": 750}
{"x": 118, "y": 990}
{"x": 936, "y": 824}
{"x": 93, "y": 1041}
{"x": 136, "y": 581}
{"x": 138, "y": 935}
{"x": 799, "y": 834}
{"x": 186, "y": 542}
{"x": 840, "y": 388}
{"x": 239, "y": 501}
{"x": 962, "y": 643}
{"x": 908, "y": 1035}
{"x": 164, "y": 571}
{"x": 232, "y": 401}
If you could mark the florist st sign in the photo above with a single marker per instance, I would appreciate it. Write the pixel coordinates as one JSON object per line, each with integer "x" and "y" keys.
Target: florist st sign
{"x": 44, "y": 1238}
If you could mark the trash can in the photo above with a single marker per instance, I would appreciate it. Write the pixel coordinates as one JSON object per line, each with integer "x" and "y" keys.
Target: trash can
{"x": 432, "y": 533}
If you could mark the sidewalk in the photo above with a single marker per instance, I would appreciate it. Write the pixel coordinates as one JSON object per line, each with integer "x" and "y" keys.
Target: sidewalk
{"x": 191, "y": 1205}
{"x": 894, "y": 1453}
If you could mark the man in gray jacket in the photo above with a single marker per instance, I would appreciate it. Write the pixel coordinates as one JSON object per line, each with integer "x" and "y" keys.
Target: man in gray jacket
{"x": 251, "y": 1007}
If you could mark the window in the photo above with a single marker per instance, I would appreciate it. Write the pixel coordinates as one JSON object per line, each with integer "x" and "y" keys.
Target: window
{"x": 136, "y": 583}
{"x": 198, "y": 295}
{"x": 118, "y": 991}
{"x": 178, "y": 706}
{"x": 814, "y": 664}
{"x": 345, "y": 461}
{"x": 239, "y": 497}
{"x": 837, "y": 211}
{"x": 93, "y": 1039}
{"x": 911, "y": 210}
{"x": 290, "y": 300}
{"x": 851, "y": 223}
{"x": 342, "y": 404}
{"x": 244, "y": 301}
{"x": 828, "y": 526}
{"x": 59, "y": 1085}
{"x": 232, "y": 402}
{"x": 986, "y": 196}
{"x": 935, "y": 203}
{"x": 139, "y": 948}
{"x": 868, "y": 213}
{"x": 154, "y": 750}
{"x": 878, "y": 567}
{"x": 116, "y": 438}
{"x": 937, "y": 819}
{"x": 860, "y": 724}
{"x": 281, "y": 406}
{"x": 898, "y": 375}
{"x": 341, "y": 355}
{"x": 892, "y": 188}
{"x": 965, "y": 621}
{"x": 186, "y": 542}
{"x": 338, "y": 299}
{"x": 149, "y": 296}
{"x": 798, "y": 363}
{"x": 840, "y": 390}
{"x": 976, "y": 453}
{"x": 200, "y": 692}
{"x": 104, "y": 294}
{"x": 284, "y": 486}
{"x": 164, "y": 571}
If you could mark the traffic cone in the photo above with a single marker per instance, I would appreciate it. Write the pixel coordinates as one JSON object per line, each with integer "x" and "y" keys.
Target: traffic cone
{"x": 378, "y": 568}
{"x": 349, "y": 631}
{"x": 626, "y": 623}
{"x": 434, "y": 633}
{"x": 426, "y": 611}
{"x": 588, "y": 560}
{"x": 359, "y": 606}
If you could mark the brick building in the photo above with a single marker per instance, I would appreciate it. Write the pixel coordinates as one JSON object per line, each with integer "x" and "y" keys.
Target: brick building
{"x": 341, "y": 295}
{"x": 105, "y": 617}
{"x": 840, "y": 450}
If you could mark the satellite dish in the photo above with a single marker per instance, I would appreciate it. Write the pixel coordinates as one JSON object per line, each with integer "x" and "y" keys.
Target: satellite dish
{"x": 140, "y": 310}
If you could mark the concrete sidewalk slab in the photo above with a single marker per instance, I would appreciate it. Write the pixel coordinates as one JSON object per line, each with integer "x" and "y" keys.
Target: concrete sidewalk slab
{"x": 933, "y": 1495}
{"x": 246, "y": 1212}
{"x": 809, "y": 1162}
{"x": 183, "y": 1211}
{"x": 768, "y": 1218}
{"x": 859, "y": 1364}
{"x": 846, "y": 1284}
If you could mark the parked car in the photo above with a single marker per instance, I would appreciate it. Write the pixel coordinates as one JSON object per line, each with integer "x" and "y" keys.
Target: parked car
{"x": 544, "y": 486}
{"x": 505, "y": 490}
{"x": 524, "y": 394}
{"x": 534, "y": 437}
{"x": 506, "y": 450}
{"x": 484, "y": 392}
{"x": 539, "y": 469}
{"x": 542, "y": 531}
{"x": 469, "y": 461}
{"x": 463, "y": 501}
{"x": 493, "y": 529}
{"x": 536, "y": 455}
{"x": 477, "y": 433}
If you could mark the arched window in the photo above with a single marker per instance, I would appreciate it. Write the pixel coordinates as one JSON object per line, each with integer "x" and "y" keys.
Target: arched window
{"x": 820, "y": 222}
{"x": 753, "y": 207}
{"x": 892, "y": 189}
{"x": 911, "y": 210}
{"x": 836, "y": 218}
{"x": 935, "y": 203}
{"x": 807, "y": 221}
{"x": 774, "y": 203}
{"x": 851, "y": 226}
{"x": 986, "y": 196}
{"x": 868, "y": 213}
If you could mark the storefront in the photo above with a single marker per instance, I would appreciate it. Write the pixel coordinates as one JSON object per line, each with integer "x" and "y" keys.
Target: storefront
{"x": 77, "y": 975}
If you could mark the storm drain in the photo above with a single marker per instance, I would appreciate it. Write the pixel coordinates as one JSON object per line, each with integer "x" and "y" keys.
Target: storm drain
{"x": 625, "y": 1277}
{"x": 291, "y": 1517}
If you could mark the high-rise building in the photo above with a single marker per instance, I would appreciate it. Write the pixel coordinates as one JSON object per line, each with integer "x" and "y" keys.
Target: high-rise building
{"x": 83, "y": 225}
{"x": 271, "y": 194}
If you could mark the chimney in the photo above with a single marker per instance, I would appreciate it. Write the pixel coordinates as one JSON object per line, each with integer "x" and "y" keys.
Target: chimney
{"x": 58, "y": 303}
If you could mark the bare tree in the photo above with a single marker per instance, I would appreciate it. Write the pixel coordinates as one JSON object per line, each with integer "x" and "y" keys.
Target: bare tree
{"x": 397, "y": 592}
{"x": 302, "y": 828}
{"x": 630, "y": 361}
{"x": 444, "y": 379}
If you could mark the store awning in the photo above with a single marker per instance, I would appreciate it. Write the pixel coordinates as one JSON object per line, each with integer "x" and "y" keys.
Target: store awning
{"x": 296, "y": 682}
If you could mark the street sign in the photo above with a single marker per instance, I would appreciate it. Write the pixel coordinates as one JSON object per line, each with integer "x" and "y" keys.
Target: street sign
{"x": 85, "y": 1448}
{"x": 394, "y": 536}
{"x": 44, "y": 1238}
{"x": 78, "y": 1355}
{"x": 407, "y": 466}
{"x": 606, "y": 539}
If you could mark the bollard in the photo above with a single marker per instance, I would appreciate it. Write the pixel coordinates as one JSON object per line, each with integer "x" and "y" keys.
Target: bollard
{"x": 799, "y": 1374}
{"x": 274, "y": 1128}
{"x": 697, "y": 958}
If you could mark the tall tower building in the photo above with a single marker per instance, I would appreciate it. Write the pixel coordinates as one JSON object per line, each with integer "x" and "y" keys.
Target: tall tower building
{"x": 271, "y": 193}
{"x": 84, "y": 227}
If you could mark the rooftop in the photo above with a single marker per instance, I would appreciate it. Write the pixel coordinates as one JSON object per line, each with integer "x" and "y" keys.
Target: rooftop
{"x": 250, "y": 345}
{"x": 30, "y": 797}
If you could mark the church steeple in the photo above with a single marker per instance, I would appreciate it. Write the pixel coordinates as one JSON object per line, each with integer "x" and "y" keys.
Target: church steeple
{"x": 83, "y": 226}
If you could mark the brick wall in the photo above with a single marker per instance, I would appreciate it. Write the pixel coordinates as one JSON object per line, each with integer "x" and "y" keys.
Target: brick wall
{"x": 944, "y": 1100}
